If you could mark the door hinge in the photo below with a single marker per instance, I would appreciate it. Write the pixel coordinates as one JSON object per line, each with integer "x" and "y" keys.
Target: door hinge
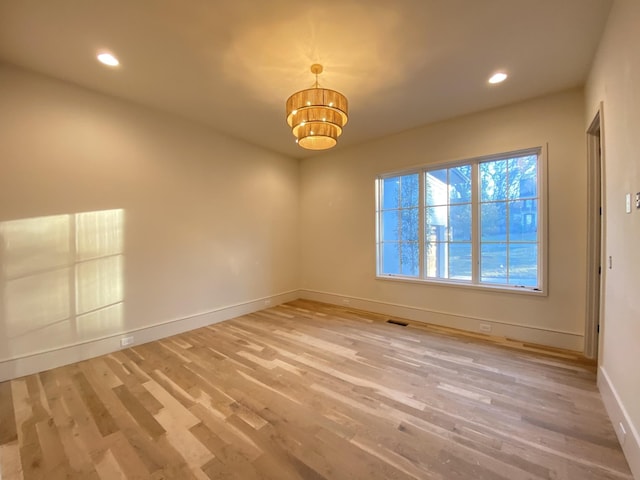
{"x": 598, "y": 328}
{"x": 599, "y": 270}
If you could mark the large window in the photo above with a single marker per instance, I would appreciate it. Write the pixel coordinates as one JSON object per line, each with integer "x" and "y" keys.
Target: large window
{"x": 476, "y": 222}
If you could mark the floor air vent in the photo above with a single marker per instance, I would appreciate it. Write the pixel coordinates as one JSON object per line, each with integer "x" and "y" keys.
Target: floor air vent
{"x": 398, "y": 322}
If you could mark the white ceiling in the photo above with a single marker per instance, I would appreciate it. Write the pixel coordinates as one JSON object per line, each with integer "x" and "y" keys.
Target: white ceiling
{"x": 232, "y": 63}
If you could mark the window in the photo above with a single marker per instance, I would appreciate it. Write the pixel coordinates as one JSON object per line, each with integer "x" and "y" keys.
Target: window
{"x": 476, "y": 222}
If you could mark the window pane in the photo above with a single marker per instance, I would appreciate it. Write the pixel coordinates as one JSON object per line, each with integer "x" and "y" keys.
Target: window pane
{"x": 523, "y": 177}
{"x": 493, "y": 222}
{"x": 460, "y": 261}
{"x": 409, "y": 192}
{"x": 460, "y": 223}
{"x": 493, "y": 180}
{"x": 391, "y": 258}
{"x": 391, "y": 193}
{"x": 523, "y": 264}
{"x": 460, "y": 184}
{"x": 390, "y": 225}
{"x": 409, "y": 229}
{"x": 436, "y": 187}
{"x": 436, "y": 217}
{"x": 410, "y": 259}
{"x": 493, "y": 262}
{"x": 436, "y": 258}
{"x": 399, "y": 225}
{"x": 523, "y": 221}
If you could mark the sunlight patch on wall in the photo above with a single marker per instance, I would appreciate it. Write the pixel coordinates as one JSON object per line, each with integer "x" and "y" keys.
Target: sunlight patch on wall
{"x": 99, "y": 272}
{"x": 62, "y": 280}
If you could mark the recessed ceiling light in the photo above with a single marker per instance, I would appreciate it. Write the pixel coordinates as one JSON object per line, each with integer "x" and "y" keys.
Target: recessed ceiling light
{"x": 498, "y": 77}
{"x": 108, "y": 59}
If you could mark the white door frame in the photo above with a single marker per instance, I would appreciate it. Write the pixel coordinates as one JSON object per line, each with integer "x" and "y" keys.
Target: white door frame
{"x": 594, "y": 325}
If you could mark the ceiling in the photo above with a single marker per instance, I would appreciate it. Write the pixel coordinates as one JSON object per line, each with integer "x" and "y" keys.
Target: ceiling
{"x": 231, "y": 64}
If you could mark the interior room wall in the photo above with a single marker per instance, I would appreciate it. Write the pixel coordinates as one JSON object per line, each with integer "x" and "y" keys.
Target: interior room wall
{"x": 338, "y": 252}
{"x": 615, "y": 81}
{"x": 118, "y": 219}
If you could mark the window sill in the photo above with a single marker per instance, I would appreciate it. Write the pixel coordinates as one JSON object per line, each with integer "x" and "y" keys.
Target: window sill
{"x": 452, "y": 283}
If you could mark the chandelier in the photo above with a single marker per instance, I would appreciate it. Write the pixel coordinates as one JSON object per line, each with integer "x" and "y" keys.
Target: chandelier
{"x": 316, "y": 115}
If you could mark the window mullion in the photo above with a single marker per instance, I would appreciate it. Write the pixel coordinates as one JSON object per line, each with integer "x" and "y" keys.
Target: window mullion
{"x": 379, "y": 251}
{"x": 400, "y": 226}
{"x": 421, "y": 223}
{"x": 507, "y": 211}
{"x": 399, "y": 241}
{"x": 475, "y": 223}
{"x": 448, "y": 221}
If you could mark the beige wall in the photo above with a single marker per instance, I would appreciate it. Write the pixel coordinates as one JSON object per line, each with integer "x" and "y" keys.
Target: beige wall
{"x": 338, "y": 221}
{"x": 615, "y": 81}
{"x": 185, "y": 221}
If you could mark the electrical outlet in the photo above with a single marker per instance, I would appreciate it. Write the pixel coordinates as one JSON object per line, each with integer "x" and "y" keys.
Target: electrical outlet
{"x": 485, "y": 327}
{"x": 267, "y": 302}
{"x": 346, "y": 301}
{"x": 638, "y": 200}
{"x": 126, "y": 341}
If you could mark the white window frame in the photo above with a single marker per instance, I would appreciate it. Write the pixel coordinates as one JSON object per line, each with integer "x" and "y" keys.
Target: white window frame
{"x": 474, "y": 283}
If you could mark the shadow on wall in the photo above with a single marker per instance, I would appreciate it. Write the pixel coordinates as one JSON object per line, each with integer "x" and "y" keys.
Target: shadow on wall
{"x": 61, "y": 280}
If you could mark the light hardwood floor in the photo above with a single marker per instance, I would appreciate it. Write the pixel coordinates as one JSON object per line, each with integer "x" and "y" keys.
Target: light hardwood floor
{"x": 312, "y": 391}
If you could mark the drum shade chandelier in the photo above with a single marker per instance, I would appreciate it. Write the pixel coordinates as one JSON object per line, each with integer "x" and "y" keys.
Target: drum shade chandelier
{"x": 316, "y": 115}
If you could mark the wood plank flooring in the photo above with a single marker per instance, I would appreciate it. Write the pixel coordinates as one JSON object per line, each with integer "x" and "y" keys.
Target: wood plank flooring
{"x": 312, "y": 391}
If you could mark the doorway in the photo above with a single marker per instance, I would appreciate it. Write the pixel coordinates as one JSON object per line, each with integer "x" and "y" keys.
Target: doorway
{"x": 594, "y": 326}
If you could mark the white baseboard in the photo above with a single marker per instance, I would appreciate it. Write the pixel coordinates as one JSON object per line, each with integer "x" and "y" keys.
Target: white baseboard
{"x": 523, "y": 333}
{"x": 64, "y": 355}
{"x": 618, "y": 414}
